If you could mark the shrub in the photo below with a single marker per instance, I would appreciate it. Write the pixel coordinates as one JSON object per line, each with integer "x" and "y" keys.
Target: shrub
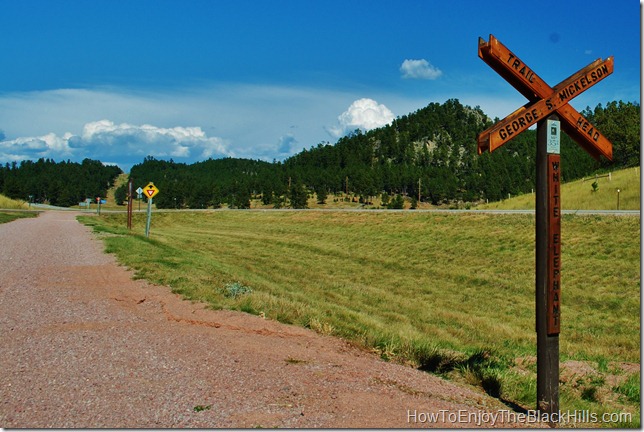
{"x": 236, "y": 289}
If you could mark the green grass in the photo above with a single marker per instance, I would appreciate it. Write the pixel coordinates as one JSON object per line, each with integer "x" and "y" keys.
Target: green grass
{"x": 11, "y": 216}
{"x": 630, "y": 388}
{"x": 450, "y": 294}
{"x": 579, "y": 195}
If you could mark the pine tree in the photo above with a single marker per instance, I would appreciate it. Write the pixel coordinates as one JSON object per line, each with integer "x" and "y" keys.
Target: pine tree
{"x": 298, "y": 196}
{"x": 322, "y": 194}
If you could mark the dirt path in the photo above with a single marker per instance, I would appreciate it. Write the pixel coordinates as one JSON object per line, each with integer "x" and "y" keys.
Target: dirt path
{"x": 84, "y": 346}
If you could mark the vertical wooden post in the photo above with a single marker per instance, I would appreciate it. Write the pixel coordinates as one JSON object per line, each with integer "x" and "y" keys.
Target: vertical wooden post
{"x": 129, "y": 204}
{"x": 548, "y": 264}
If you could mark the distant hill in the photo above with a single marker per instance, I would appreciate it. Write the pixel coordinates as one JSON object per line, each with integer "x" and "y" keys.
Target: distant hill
{"x": 430, "y": 154}
{"x": 433, "y": 152}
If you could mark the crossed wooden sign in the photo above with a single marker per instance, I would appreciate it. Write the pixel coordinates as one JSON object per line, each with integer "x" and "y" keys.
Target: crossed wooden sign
{"x": 543, "y": 100}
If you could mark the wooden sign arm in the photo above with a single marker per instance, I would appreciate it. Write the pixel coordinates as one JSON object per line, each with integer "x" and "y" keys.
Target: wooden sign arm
{"x": 530, "y": 113}
{"x": 584, "y": 133}
{"x": 513, "y": 70}
{"x": 535, "y": 89}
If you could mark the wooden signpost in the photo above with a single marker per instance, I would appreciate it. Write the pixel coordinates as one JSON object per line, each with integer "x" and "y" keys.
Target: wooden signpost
{"x": 547, "y": 107}
{"x": 129, "y": 203}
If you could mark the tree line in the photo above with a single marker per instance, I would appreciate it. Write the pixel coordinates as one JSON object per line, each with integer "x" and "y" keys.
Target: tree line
{"x": 210, "y": 183}
{"x": 428, "y": 155}
{"x": 62, "y": 184}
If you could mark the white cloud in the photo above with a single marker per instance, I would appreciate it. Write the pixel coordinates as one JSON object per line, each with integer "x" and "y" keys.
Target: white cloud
{"x": 35, "y": 147}
{"x": 419, "y": 69}
{"x": 364, "y": 114}
{"x": 249, "y": 121}
{"x": 119, "y": 142}
{"x": 182, "y": 142}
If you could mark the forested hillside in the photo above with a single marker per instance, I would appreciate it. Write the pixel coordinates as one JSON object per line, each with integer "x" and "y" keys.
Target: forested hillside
{"x": 621, "y": 123}
{"x": 430, "y": 153}
{"x": 62, "y": 184}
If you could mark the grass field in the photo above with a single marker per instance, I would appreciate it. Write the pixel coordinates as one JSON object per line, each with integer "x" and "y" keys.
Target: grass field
{"x": 451, "y": 294}
{"x": 579, "y": 195}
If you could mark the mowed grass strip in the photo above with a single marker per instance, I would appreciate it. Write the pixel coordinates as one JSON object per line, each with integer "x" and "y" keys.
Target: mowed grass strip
{"x": 410, "y": 276}
{"x": 466, "y": 278}
{"x": 411, "y": 285}
{"x": 11, "y": 216}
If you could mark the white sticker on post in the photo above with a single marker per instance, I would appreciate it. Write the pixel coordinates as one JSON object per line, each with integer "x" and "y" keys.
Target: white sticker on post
{"x": 554, "y": 137}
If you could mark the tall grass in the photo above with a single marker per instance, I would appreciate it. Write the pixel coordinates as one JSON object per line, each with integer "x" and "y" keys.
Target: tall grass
{"x": 451, "y": 294}
{"x": 11, "y": 204}
{"x": 8, "y": 203}
{"x": 580, "y": 194}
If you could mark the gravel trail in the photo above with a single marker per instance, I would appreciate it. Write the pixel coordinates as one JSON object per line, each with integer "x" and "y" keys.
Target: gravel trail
{"x": 84, "y": 346}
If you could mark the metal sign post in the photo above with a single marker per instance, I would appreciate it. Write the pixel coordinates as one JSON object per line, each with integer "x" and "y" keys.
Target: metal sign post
{"x": 147, "y": 224}
{"x": 139, "y": 191}
{"x": 546, "y": 107}
{"x": 150, "y": 191}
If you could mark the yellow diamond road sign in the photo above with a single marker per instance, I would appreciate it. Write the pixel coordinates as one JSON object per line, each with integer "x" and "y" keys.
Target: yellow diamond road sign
{"x": 150, "y": 190}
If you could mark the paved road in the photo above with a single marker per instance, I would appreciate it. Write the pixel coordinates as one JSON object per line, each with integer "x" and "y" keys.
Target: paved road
{"x": 454, "y": 211}
{"x": 84, "y": 346}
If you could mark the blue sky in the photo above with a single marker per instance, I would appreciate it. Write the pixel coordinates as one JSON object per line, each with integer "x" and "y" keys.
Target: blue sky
{"x": 263, "y": 79}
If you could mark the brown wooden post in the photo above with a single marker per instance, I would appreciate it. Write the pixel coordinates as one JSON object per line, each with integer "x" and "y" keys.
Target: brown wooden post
{"x": 548, "y": 266}
{"x": 129, "y": 204}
